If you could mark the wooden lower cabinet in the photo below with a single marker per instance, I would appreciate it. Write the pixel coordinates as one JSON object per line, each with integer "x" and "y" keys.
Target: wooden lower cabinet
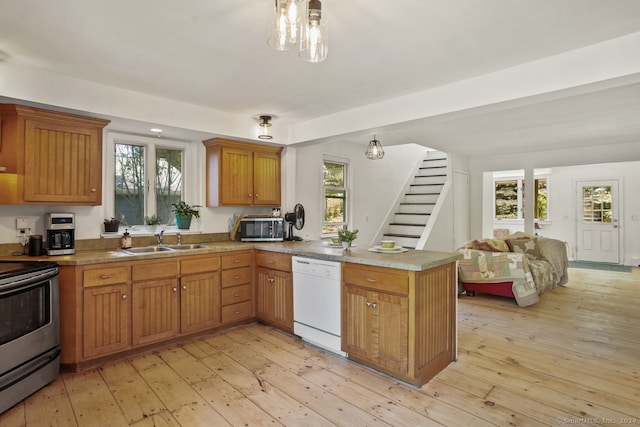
{"x": 377, "y": 325}
{"x": 274, "y": 296}
{"x": 199, "y": 302}
{"x": 199, "y": 293}
{"x": 154, "y": 300}
{"x": 155, "y": 310}
{"x": 106, "y": 320}
{"x": 400, "y": 322}
{"x": 115, "y": 307}
{"x": 237, "y": 287}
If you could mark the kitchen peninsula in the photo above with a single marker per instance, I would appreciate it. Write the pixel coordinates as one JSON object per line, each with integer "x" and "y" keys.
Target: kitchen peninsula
{"x": 398, "y": 309}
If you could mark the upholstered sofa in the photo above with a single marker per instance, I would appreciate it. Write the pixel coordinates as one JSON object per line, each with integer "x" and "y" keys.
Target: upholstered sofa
{"x": 519, "y": 266}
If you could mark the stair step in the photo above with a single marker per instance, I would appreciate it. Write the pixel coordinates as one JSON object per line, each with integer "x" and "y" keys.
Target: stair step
{"x": 423, "y": 200}
{"x": 410, "y": 218}
{"x": 406, "y": 229}
{"x": 434, "y": 180}
{"x": 414, "y": 208}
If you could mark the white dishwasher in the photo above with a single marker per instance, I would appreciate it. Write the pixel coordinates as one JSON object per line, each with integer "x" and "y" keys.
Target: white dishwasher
{"x": 316, "y": 302}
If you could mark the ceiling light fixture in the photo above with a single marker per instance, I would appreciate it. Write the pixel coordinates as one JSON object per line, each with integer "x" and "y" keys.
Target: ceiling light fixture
{"x": 298, "y": 22}
{"x": 313, "y": 45}
{"x": 286, "y": 31}
{"x": 265, "y": 124}
{"x": 374, "y": 150}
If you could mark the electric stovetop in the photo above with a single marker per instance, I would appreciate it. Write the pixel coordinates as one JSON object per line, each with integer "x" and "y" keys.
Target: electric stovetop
{"x": 13, "y": 268}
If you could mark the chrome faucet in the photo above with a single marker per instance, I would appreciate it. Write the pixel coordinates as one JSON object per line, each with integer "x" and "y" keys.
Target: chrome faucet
{"x": 159, "y": 236}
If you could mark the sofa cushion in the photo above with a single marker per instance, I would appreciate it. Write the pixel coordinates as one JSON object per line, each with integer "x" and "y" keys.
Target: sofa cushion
{"x": 525, "y": 246}
{"x": 492, "y": 245}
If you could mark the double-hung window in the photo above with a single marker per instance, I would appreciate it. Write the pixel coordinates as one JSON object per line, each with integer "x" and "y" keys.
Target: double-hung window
{"x": 335, "y": 192}
{"x": 147, "y": 176}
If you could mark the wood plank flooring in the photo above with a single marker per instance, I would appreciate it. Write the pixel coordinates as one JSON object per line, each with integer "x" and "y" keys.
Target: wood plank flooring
{"x": 573, "y": 358}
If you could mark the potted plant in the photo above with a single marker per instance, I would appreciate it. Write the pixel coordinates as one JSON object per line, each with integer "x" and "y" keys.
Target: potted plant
{"x": 111, "y": 225}
{"x": 347, "y": 237}
{"x": 184, "y": 212}
{"x": 152, "y": 222}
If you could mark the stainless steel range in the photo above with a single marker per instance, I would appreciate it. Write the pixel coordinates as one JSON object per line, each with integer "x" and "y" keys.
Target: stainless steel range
{"x": 29, "y": 329}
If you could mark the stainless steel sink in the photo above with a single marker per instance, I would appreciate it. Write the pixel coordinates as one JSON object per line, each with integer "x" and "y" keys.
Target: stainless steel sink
{"x": 146, "y": 250}
{"x": 186, "y": 247}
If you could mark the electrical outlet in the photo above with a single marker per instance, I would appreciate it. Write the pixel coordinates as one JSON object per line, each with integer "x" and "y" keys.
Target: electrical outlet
{"x": 25, "y": 226}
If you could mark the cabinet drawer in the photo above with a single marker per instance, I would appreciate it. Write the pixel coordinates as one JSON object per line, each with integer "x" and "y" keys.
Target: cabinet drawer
{"x": 378, "y": 278}
{"x": 106, "y": 276}
{"x": 235, "y": 312}
{"x": 236, "y": 294}
{"x": 147, "y": 271}
{"x": 238, "y": 276}
{"x": 240, "y": 259}
{"x": 273, "y": 260}
{"x": 199, "y": 264}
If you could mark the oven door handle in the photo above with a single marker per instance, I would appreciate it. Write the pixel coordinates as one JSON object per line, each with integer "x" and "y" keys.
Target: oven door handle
{"x": 12, "y": 284}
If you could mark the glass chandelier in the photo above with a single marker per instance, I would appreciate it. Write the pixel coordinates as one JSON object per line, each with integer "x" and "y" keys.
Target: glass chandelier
{"x": 297, "y": 22}
{"x": 374, "y": 150}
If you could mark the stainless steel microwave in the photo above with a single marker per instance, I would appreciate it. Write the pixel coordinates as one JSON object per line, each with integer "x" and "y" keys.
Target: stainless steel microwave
{"x": 266, "y": 229}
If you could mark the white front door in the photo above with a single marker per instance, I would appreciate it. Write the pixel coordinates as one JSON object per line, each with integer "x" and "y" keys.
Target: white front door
{"x": 598, "y": 232}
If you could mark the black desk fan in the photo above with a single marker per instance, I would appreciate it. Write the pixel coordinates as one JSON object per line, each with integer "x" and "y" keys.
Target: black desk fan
{"x": 295, "y": 219}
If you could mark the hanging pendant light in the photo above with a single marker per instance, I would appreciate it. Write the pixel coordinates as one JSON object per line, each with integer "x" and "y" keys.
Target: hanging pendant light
{"x": 314, "y": 42}
{"x": 374, "y": 150}
{"x": 287, "y": 24}
{"x": 265, "y": 124}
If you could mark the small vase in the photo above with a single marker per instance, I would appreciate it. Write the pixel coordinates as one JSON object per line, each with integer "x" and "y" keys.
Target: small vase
{"x": 183, "y": 222}
{"x": 346, "y": 246}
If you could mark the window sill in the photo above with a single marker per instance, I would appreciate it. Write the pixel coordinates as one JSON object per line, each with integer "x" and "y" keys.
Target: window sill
{"x": 139, "y": 231}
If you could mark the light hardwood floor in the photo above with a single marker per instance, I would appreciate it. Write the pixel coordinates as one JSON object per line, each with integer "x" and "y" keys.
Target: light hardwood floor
{"x": 573, "y": 358}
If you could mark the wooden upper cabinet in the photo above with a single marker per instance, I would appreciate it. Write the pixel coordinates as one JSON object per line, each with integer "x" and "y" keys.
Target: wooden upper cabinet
{"x": 50, "y": 157}
{"x": 242, "y": 174}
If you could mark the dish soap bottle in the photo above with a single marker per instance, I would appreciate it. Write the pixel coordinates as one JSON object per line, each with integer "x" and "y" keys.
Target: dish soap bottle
{"x": 126, "y": 239}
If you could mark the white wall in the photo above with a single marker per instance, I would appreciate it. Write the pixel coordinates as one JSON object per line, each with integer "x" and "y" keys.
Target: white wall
{"x": 374, "y": 184}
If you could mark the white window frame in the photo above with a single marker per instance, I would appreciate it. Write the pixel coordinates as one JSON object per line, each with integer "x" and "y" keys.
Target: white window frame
{"x": 190, "y": 172}
{"x": 347, "y": 190}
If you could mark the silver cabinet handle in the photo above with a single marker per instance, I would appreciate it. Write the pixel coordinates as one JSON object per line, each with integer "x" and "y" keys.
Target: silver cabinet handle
{"x": 369, "y": 279}
{"x": 124, "y": 297}
{"x": 368, "y": 304}
{"x": 175, "y": 289}
{"x": 184, "y": 287}
{"x": 106, "y": 276}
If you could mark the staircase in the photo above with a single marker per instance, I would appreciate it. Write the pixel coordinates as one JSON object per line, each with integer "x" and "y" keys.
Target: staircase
{"x": 414, "y": 211}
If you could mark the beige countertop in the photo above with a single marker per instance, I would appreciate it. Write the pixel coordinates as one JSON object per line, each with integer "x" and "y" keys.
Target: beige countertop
{"x": 415, "y": 260}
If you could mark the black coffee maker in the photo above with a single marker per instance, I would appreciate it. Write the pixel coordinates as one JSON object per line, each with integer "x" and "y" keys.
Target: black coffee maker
{"x": 60, "y": 233}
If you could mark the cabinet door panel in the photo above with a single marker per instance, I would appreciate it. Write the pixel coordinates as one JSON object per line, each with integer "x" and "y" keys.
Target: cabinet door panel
{"x": 155, "y": 310}
{"x": 266, "y": 179}
{"x": 274, "y": 297}
{"x": 392, "y": 347}
{"x": 199, "y": 302}
{"x": 107, "y": 320}
{"x": 64, "y": 163}
{"x": 356, "y": 330}
{"x": 236, "y": 177}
